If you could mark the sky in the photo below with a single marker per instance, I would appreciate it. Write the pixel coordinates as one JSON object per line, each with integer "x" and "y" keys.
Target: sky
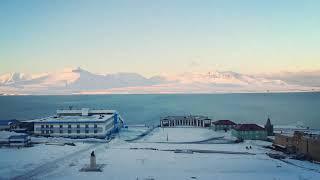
{"x": 154, "y": 37}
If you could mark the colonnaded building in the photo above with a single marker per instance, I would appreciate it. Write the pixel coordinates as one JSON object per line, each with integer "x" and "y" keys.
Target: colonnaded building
{"x": 185, "y": 121}
{"x": 79, "y": 123}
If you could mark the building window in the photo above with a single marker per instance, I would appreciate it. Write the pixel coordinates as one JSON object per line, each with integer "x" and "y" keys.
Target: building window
{"x": 42, "y": 126}
{"x": 95, "y": 126}
{"x": 47, "y": 131}
{"x": 42, "y": 132}
{"x": 87, "y": 125}
{"x": 51, "y": 126}
{"x": 51, "y": 131}
{"x": 78, "y": 131}
{"x": 87, "y": 131}
{"x": 69, "y": 126}
{"x": 69, "y": 131}
{"x": 78, "y": 125}
{"x": 61, "y": 132}
{"x": 47, "y": 126}
{"x": 61, "y": 126}
{"x": 95, "y": 131}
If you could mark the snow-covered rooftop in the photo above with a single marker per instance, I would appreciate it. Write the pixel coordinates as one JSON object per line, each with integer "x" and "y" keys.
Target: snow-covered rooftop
{"x": 92, "y": 118}
{"x": 84, "y": 111}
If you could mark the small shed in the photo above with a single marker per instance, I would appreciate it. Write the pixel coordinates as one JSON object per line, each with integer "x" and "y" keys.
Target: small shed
{"x": 19, "y": 140}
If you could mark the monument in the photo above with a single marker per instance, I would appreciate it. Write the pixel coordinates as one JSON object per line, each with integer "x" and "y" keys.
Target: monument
{"x": 92, "y": 166}
{"x": 93, "y": 163}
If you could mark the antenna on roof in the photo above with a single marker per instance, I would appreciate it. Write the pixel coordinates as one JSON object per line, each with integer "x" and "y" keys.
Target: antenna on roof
{"x": 70, "y": 107}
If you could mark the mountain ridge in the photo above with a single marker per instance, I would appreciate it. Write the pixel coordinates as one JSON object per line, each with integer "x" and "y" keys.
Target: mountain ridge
{"x": 81, "y": 81}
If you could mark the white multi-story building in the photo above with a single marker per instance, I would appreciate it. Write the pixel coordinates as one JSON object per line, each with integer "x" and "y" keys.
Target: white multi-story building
{"x": 79, "y": 123}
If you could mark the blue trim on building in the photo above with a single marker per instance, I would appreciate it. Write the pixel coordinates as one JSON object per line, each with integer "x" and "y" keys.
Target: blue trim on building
{"x": 18, "y": 137}
{"x": 57, "y": 122}
{"x": 115, "y": 121}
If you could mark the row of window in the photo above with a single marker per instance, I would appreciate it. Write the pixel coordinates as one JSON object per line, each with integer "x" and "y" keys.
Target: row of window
{"x": 69, "y": 131}
{"x": 69, "y": 126}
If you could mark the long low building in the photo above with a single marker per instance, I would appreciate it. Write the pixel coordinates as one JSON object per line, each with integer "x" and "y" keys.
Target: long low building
{"x": 249, "y": 132}
{"x": 299, "y": 142}
{"x": 185, "y": 121}
{"x": 19, "y": 140}
{"x": 83, "y": 123}
{"x": 223, "y": 125}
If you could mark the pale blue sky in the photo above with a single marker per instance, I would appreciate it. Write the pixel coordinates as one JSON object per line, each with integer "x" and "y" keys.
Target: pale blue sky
{"x": 164, "y": 36}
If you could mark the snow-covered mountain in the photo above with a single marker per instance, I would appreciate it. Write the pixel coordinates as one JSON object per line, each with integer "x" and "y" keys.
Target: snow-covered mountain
{"x": 80, "y": 81}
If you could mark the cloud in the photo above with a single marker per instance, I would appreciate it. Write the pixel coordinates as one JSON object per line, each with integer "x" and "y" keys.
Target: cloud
{"x": 194, "y": 64}
{"x": 303, "y": 78}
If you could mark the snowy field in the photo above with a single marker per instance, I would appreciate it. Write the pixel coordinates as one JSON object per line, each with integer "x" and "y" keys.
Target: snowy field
{"x": 147, "y": 159}
{"x": 181, "y": 135}
{"x": 14, "y": 161}
{"x": 131, "y": 132}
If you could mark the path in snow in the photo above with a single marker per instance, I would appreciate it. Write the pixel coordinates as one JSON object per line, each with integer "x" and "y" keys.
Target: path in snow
{"x": 142, "y": 135}
{"x": 49, "y": 166}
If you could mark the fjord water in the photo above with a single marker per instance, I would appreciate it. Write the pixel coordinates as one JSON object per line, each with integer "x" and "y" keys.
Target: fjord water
{"x": 283, "y": 108}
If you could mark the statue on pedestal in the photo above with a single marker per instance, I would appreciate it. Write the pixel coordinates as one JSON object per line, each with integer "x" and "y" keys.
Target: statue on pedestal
{"x": 93, "y": 164}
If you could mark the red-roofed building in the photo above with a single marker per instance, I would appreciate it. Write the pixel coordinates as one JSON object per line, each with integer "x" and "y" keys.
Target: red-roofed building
{"x": 223, "y": 125}
{"x": 249, "y": 131}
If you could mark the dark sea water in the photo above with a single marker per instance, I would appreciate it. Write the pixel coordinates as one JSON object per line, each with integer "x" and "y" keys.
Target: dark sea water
{"x": 283, "y": 108}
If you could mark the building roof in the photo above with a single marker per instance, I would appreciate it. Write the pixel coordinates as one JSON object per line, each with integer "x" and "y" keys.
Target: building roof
{"x": 248, "y": 127}
{"x": 7, "y": 122}
{"x": 75, "y": 119}
{"x": 268, "y": 124}
{"x": 84, "y": 111}
{"x": 190, "y": 117}
{"x": 305, "y": 134}
{"x": 224, "y": 122}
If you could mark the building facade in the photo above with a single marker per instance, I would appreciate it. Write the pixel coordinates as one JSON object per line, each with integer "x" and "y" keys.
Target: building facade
{"x": 299, "y": 143}
{"x": 83, "y": 123}
{"x": 249, "y": 132}
{"x": 185, "y": 121}
{"x": 223, "y": 125}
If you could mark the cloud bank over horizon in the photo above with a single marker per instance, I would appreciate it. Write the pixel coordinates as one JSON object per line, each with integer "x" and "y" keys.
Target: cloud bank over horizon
{"x": 80, "y": 81}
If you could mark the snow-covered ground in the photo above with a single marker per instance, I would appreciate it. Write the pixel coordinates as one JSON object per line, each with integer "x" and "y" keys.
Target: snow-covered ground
{"x": 181, "y": 135}
{"x": 14, "y": 161}
{"x": 132, "y": 132}
{"x": 146, "y": 159}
